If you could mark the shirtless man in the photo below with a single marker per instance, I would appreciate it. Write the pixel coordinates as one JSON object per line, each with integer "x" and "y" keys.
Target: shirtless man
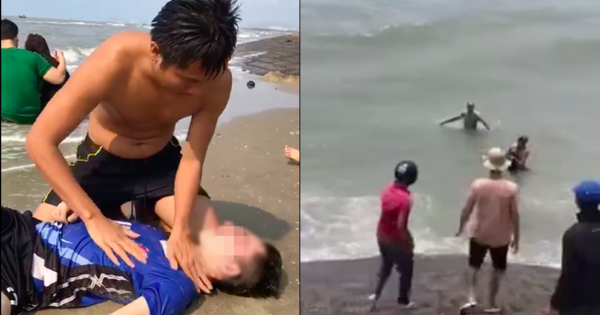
{"x": 135, "y": 87}
{"x": 470, "y": 119}
{"x": 490, "y": 219}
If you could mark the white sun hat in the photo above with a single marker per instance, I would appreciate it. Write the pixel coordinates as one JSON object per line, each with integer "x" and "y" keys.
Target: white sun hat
{"x": 496, "y": 160}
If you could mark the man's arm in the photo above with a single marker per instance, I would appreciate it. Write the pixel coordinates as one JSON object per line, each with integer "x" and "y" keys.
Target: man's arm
{"x": 67, "y": 109}
{"x": 485, "y": 124}
{"x": 201, "y": 130}
{"x": 516, "y": 220}
{"x": 137, "y": 307}
{"x": 452, "y": 119}
{"x": 467, "y": 209}
{"x": 57, "y": 75}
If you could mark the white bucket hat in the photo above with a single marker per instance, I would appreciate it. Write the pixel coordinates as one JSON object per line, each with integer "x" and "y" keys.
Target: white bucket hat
{"x": 495, "y": 160}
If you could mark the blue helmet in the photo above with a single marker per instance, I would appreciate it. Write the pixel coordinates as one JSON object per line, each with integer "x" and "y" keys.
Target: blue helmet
{"x": 406, "y": 172}
{"x": 587, "y": 195}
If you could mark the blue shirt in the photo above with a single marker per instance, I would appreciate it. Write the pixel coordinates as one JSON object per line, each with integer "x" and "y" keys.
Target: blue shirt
{"x": 70, "y": 270}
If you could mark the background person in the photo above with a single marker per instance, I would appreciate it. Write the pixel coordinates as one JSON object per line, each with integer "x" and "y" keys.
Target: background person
{"x": 23, "y": 73}
{"x": 37, "y": 43}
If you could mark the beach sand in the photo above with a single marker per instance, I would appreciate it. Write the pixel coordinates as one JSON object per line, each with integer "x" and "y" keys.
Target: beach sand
{"x": 252, "y": 184}
{"x": 342, "y": 287}
{"x": 279, "y": 54}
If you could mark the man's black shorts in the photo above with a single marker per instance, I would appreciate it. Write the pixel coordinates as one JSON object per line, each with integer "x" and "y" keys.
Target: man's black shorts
{"x": 17, "y": 260}
{"x": 478, "y": 251}
{"x": 111, "y": 181}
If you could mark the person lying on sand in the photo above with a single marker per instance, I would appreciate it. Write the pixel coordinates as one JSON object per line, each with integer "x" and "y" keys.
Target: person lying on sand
{"x": 490, "y": 219}
{"x": 292, "y": 154}
{"x": 577, "y": 288}
{"x": 56, "y": 265}
{"x": 135, "y": 87}
{"x": 470, "y": 119}
{"x": 395, "y": 241}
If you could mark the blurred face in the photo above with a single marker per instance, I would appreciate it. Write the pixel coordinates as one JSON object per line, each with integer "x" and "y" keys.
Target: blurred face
{"x": 470, "y": 107}
{"x": 522, "y": 143}
{"x": 225, "y": 250}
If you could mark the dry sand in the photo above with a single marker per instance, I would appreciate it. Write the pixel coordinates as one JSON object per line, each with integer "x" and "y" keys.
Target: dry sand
{"x": 252, "y": 184}
{"x": 342, "y": 287}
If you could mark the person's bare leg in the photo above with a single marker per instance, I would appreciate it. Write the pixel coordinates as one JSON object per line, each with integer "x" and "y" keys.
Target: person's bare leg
{"x": 5, "y": 305}
{"x": 472, "y": 285}
{"x": 292, "y": 154}
{"x": 495, "y": 280}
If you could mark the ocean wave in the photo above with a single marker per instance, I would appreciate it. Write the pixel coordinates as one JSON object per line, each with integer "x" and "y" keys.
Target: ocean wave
{"x": 335, "y": 228}
{"x": 77, "y": 54}
{"x": 81, "y": 23}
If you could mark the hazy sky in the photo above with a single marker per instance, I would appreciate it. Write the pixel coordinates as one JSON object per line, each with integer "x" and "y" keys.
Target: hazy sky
{"x": 254, "y": 12}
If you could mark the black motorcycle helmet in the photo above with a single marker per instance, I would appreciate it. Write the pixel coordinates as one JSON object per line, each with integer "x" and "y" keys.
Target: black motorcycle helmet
{"x": 406, "y": 173}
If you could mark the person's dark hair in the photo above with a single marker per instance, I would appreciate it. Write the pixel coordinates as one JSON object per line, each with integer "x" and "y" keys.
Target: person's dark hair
{"x": 187, "y": 31}
{"x": 259, "y": 278}
{"x": 37, "y": 43}
{"x": 10, "y": 30}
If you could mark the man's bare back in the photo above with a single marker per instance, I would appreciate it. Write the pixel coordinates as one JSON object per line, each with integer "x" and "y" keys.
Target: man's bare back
{"x": 137, "y": 118}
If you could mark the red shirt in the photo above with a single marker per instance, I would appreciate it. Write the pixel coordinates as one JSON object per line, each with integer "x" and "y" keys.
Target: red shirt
{"x": 395, "y": 199}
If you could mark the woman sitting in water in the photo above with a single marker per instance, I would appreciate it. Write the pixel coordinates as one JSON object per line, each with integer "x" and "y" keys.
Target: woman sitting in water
{"x": 37, "y": 43}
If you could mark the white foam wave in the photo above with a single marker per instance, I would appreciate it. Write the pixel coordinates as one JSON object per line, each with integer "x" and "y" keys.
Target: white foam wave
{"x": 77, "y": 23}
{"x": 22, "y": 138}
{"x": 77, "y": 54}
{"x": 344, "y": 228}
{"x": 26, "y": 166}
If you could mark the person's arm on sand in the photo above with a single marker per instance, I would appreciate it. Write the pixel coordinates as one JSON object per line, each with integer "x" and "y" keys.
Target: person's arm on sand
{"x": 452, "y": 119}
{"x": 187, "y": 180}
{"x": 56, "y": 75}
{"x": 67, "y": 109}
{"x": 137, "y": 307}
{"x": 467, "y": 209}
{"x": 481, "y": 120}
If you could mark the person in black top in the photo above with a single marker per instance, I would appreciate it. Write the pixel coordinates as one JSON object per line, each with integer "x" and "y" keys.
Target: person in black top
{"x": 37, "y": 43}
{"x": 577, "y": 291}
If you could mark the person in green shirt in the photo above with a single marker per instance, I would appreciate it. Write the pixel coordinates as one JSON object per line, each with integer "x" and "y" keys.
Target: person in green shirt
{"x": 23, "y": 73}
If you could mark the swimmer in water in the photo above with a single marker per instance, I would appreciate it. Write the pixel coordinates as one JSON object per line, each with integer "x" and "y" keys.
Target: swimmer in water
{"x": 470, "y": 119}
{"x": 518, "y": 153}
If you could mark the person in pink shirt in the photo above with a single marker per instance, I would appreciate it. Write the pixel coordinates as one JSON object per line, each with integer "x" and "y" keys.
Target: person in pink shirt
{"x": 393, "y": 236}
{"x": 490, "y": 219}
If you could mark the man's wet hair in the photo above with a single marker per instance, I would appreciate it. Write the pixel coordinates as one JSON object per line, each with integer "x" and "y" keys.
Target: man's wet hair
{"x": 260, "y": 278}
{"x": 10, "y": 30}
{"x": 187, "y": 31}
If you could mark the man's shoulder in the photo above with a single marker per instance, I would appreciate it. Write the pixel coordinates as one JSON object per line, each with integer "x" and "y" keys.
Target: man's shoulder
{"x": 123, "y": 46}
{"x": 21, "y": 54}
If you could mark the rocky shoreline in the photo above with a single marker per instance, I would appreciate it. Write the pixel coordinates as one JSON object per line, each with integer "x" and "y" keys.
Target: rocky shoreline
{"x": 272, "y": 55}
{"x": 342, "y": 287}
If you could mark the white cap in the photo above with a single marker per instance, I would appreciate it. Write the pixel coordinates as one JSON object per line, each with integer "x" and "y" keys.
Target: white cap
{"x": 496, "y": 160}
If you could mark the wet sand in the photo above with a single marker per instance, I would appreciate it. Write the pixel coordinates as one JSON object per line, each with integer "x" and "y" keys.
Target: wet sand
{"x": 252, "y": 184}
{"x": 342, "y": 287}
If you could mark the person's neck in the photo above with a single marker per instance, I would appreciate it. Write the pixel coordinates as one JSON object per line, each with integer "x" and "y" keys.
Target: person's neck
{"x": 495, "y": 175}
{"x": 7, "y": 43}
{"x": 590, "y": 216}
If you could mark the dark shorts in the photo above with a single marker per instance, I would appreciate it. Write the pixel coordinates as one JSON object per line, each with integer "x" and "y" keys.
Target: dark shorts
{"x": 478, "y": 251}
{"x": 111, "y": 181}
{"x": 17, "y": 260}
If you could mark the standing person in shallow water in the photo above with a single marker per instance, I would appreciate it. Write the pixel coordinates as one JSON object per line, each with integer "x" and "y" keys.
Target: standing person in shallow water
{"x": 490, "y": 218}
{"x": 395, "y": 241}
{"x": 577, "y": 291}
{"x": 470, "y": 119}
{"x": 135, "y": 87}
